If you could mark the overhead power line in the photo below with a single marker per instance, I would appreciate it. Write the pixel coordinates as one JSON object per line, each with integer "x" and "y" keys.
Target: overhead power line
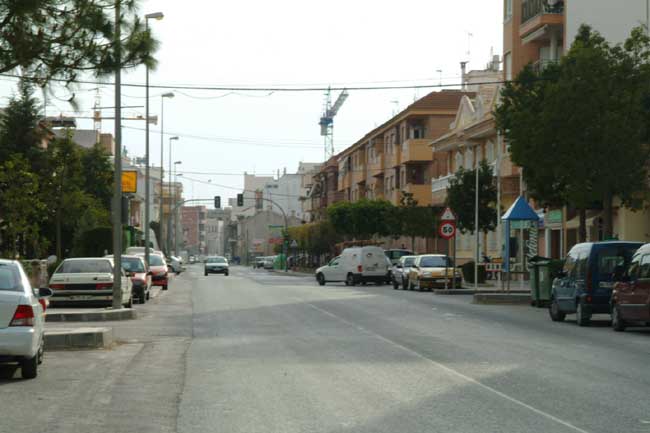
{"x": 270, "y": 88}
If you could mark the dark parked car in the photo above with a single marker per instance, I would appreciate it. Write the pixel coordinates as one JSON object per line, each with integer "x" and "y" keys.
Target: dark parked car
{"x": 585, "y": 284}
{"x": 631, "y": 295}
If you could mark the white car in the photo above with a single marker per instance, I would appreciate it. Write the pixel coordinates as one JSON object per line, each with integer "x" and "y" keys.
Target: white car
{"x": 22, "y": 321}
{"x": 88, "y": 281}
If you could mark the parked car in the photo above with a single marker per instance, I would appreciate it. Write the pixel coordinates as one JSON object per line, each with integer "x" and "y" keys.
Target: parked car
{"x": 192, "y": 260}
{"x": 401, "y": 271}
{"x": 431, "y": 271}
{"x": 22, "y": 320}
{"x": 88, "y": 281}
{"x": 269, "y": 262}
{"x": 356, "y": 265}
{"x": 175, "y": 264}
{"x": 216, "y": 265}
{"x": 140, "y": 275}
{"x": 585, "y": 284}
{"x": 630, "y": 304}
{"x": 395, "y": 254}
{"x": 159, "y": 271}
{"x": 259, "y": 262}
{"x": 132, "y": 251}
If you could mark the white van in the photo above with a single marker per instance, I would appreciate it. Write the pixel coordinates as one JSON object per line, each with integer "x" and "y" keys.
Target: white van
{"x": 356, "y": 265}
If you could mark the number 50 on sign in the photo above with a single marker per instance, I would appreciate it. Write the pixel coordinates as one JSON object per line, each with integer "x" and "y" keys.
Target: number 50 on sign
{"x": 447, "y": 229}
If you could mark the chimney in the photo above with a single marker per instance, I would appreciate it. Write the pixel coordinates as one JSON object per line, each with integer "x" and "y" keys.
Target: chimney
{"x": 463, "y": 71}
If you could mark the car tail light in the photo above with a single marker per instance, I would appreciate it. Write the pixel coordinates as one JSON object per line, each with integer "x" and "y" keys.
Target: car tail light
{"x": 103, "y": 286}
{"x": 360, "y": 268}
{"x": 24, "y": 316}
{"x": 44, "y": 303}
{"x": 57, "y": 286}
{"x": 589, "y": 299}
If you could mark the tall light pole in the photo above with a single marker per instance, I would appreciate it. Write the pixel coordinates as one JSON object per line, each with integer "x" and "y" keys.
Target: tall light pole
{"x": 169, "y": 220}
{"x": 147, "y": 187}
{"x": 176, "y": 213}
{"x": 117, "y": 172}
{"x": 162, "y": 177}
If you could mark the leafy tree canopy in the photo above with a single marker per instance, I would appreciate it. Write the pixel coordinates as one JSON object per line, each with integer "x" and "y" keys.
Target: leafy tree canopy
{"x": 461, "y": 198}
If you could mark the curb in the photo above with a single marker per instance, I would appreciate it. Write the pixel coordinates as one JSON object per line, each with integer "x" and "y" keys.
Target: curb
{"x": 78, "y": 338}
{"x": 91, "y": 316}
{"x": 291, "y": 273}
{"x": 474, "y": 292}
{"x": 502, "y": 298}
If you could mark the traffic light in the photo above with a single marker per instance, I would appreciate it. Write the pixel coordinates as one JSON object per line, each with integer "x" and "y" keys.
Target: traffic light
{"x": 217, "y": 202}
{"x": 240, "y": 200}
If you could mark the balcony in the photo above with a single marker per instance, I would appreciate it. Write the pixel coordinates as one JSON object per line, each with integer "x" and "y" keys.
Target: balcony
{"x": 533, "y": 8}
{"x": 440, "y": 184}
{"x": 538, "y": 16}
{"x": 421, "y": 193}
{"x": 359, "y": 174}
{"x": 376, "y": 166}
{"x": 393, "y": 159}
{"x": 344, "y": 180}
{"x": 416, "y": 150}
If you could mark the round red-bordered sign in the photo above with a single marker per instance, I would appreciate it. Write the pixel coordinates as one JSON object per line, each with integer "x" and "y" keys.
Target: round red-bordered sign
{"x": 447, "y": 229}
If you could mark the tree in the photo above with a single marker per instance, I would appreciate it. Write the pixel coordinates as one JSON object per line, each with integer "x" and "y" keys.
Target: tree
{"x": 21, "y": 207}
{"x": 461, "y": 198}
{"x": 98, "y": 174}
{"x": 362, "y": 219}
{"x": 585, "y": 155}
{"x": 59, "y": 39}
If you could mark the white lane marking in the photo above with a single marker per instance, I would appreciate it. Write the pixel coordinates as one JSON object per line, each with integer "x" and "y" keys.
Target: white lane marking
{"x": 453, "y": 372}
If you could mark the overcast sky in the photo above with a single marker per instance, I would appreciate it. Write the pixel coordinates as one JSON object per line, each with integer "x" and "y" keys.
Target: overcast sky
{"x": 288, "y": 42}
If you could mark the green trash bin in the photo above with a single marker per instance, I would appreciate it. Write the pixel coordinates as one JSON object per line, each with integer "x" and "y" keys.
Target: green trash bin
{"x": 540, "y": 281}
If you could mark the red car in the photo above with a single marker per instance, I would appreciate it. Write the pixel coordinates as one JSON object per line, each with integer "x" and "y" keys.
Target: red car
{"x": 136, "y": 269}
{"x": 159, "y": 271}
{"x": 631, "y": 295}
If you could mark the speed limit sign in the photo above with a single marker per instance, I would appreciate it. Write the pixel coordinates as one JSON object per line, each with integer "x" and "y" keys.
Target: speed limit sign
{"x": 447, "y": 229}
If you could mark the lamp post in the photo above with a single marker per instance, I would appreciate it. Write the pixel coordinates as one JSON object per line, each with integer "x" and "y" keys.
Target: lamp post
{"x": 162, "y": 177}
{"x": 176, "y": 213}
{"x": 147, "y": 187}
{"x": 169, "y": 220}
{"x": 117, "y": 172}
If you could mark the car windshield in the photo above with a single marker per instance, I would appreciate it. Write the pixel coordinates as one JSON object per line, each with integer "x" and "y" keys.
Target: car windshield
{"x": 434, "y": 262}
{"x": 409, "y": 261}
{"x": 10, "y": 278}
{"x": 611, "y": 258}
{"x": 155, "y": 260}
{"x": 131, "y": 264}
{"x": 88, "y": 266}
{"x": 216, "y": 260}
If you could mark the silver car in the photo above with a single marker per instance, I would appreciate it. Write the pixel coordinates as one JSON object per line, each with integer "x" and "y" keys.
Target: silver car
{"x": 22, "y": 321}
{"x": 401, "y": 271}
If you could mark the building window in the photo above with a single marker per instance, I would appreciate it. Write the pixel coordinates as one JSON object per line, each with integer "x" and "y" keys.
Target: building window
{"x": 469, "y": 159}
{"x": 507, "y": 66}
{"x": 490, "y": 152}
{"x": 459, "y": 161}
{"x": 507, "y": 10}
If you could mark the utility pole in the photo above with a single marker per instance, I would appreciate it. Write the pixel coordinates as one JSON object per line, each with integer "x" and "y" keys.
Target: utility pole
{"x": 477, "y": 231}
{"x": 117, "y": 172}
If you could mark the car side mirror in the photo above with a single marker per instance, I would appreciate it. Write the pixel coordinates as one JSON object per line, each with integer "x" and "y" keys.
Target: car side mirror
{"x": 414, "y": 266}
{"x": 399, "y": 265}
{"x": 45, "y": 292}
{"x": 149, "y": 273}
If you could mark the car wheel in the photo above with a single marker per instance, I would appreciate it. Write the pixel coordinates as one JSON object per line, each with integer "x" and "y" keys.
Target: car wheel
{"x": 395, "y": 285}
{"x": 618, "y": 324}
{"x": 349, "y": 281}
{"x": 226, "y": 274}
{"x": 41, "y": 353}
{"x": 554, "y": 311}
{"x": 164, "y": 287}
{"x": 321, "y": 279}
{"x": 142, "y": 297}
{"x": 205, "y": 274}
{"x": 148, "y": 295}
{"x": 582, "y": 318}
{"x": 129, "y": 304}
{"x": 29, "y": 368}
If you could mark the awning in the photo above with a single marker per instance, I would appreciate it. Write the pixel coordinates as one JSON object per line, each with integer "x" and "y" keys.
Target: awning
{"x": 574, "y": 223}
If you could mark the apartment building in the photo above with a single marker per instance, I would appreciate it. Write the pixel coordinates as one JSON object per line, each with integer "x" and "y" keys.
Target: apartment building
{"x": 324, "y": 191}
{"x": 396, "y": 158}
{"x": 541, "y": 31}
{"x": 307, "y": 172}
{"x": 193, "y": 220}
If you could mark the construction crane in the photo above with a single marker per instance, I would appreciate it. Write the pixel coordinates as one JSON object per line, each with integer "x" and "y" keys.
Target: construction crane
{"x": 327, "y": 120}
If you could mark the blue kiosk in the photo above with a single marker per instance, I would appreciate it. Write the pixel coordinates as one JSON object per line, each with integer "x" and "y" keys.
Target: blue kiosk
{"x": 520, "y": 211}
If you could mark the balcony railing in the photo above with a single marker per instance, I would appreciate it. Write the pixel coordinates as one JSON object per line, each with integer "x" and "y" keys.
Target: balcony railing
{"x": 531, "y": 8}
{"x": 440, "y": 183}
{"x": 540, "y": 65}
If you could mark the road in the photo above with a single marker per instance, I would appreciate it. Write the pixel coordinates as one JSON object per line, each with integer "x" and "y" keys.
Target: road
{"x": 265, "y": 352}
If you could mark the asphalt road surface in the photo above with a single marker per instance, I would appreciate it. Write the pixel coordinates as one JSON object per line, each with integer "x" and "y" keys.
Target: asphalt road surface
{"x": 265, "y": 352}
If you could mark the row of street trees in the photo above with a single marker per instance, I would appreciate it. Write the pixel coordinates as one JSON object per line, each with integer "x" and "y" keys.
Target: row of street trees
{"x": 580, "y": 128}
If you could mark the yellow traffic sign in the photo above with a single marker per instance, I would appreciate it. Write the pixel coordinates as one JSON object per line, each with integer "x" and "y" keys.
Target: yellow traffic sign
{"x": 129, "y": 181}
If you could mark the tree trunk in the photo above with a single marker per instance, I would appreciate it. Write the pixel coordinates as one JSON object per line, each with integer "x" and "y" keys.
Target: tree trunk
{"x": 608, "y": 216}
{"x": 59, "y": 247}
{"x": 582, "y": 230}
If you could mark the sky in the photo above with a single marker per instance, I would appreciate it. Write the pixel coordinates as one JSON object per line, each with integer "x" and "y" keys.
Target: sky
{"x": 285, "y": 42}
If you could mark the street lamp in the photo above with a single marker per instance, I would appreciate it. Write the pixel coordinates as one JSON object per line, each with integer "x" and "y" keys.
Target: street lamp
{"x": 162, "y": 140}
{"x": 147, "y": 188}
{"x": 176, "y": 213}
{"x": 169, "y": 221}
